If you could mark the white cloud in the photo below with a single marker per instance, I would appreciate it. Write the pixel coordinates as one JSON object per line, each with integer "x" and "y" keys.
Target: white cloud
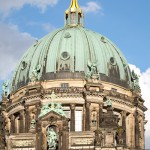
{"x": 6, "y": 6}
{"x": 48, "y": 27}
{"x": 92, "y": 7}
{"x": 45, "y": 26}
{"x": 145, "y": 87}
{"x": 12, "y": 46}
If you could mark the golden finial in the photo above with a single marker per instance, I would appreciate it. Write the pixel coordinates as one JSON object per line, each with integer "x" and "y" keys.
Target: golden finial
{"x": 74, "y": 6}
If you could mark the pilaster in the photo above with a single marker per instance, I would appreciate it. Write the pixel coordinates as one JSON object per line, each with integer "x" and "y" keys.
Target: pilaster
{"x": 137, "y": 136}
{"x": 12, "y": 120}
{"x": 87, "y": 116}
{"x": 27, "y": 119}
{"x": 21, "y": 127}
{"x": 72, "y": 123}
{"x": 100, "y": 113}
{"x": 124, "y": 115}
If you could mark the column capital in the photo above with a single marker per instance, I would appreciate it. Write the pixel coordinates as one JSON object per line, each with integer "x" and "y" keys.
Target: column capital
{"x": 38, "y": 105}
{"x": 12, "y": 117}
{"x": 72, "y": 106}
{"x": 26, "y": 108}
{"x": 124, "y": 113}
{"x": 22, "y": 112}
{"x": 87, "y": 104}
{"x": 101, "y": 105}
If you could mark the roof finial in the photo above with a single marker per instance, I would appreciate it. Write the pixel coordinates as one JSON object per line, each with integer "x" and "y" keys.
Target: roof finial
{"x": 74, "y": 5}
{"x": 74, "y": 14}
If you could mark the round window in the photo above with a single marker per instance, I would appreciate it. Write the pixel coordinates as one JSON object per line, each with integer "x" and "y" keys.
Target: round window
{"x": 113, "y": 61}
{"x": 65, "y": 55}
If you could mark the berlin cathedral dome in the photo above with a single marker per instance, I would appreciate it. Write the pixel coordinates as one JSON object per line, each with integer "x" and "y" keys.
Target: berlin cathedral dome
{"x": 72, "y": 89}
{"x": 70, "y": 52}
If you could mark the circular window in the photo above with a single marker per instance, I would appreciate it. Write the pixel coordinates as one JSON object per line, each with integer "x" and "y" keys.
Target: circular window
{"x": 65, "y": 55}
{"x": 113, "y": 61}
{"x": 67, "y": 35}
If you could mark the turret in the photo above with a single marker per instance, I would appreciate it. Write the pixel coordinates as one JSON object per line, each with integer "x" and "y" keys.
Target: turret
{"x": 74, "y": 15}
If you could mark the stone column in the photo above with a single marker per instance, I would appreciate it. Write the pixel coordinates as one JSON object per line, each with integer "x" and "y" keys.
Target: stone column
{"x": 60, "y": 140}
{"x": 2, "y": 131}
{"x": 27, "y": 119}
{"x": 142, "y": 133}
{"x": 65, "y": 140}
{"x": 100, "y": 113}
{"x": 21, "y": 127}
{"x": 131, "y": 131}
{"x": 137, "y": 136}
{"x": 87, "y": 118}
{"x": 72, "y": 123}
{"x": 124, "y": 115}
{"x": 38, "y": 107}
{"x": 12, "y": 120}
{"x": 39, "y": 136}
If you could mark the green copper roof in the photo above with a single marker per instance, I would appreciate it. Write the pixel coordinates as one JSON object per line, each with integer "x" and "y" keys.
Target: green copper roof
{"x": 47, "y": 108}
{"x": 68, "y": 50}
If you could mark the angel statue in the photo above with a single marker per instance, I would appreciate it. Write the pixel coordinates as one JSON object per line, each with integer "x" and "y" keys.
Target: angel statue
{"x": 135, "y": 78}
{"x": 92, "y": 69}
{"x": 5, "y": 88}
{"x": 35, "y": 72}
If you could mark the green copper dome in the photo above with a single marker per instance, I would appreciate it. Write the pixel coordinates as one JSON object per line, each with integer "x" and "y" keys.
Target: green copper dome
{"x": 70, "y": 53}
{"x": 65, "y": 53}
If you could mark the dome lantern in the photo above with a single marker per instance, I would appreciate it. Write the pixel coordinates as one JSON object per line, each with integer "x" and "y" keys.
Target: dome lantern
{"x": 74, "y": 15}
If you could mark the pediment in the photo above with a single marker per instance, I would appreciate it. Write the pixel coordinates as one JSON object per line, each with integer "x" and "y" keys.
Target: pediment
{"x": 51, "y": 110}
{"x": 52, "y": 115}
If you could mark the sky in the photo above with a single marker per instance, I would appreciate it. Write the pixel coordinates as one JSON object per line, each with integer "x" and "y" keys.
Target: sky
{"x": 126, "y": 23}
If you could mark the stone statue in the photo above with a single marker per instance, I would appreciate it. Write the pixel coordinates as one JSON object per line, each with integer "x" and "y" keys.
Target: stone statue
{"x": 52, "y": 106}
{"x": 59, "y": 110}
{"x": 109, "y": 103}
{"x": 5, "y": 88}
{"x": 45, "y": 108}
{"x": 53, "y": 96}
{"x": 135, "y": 78}
{"x": 94, "y": 116}
{"x": 119, "y": 135}
{"x": 32, "y": 124}
{"x": 51, "y": 138}
{"x": 34, "y": 75}
{"x": 35, "y": 72}
{"x": 92, "y": 70}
